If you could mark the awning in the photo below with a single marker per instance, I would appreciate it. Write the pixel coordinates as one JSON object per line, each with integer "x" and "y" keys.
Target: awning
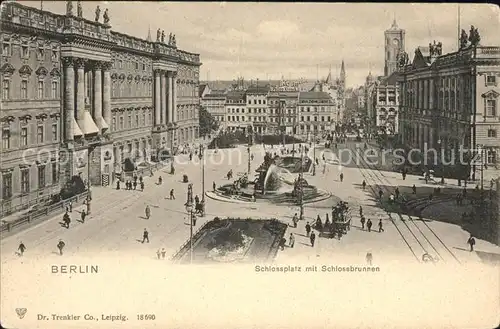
{"x": 76, "y": 129}
{"x": 102, "y": 123}
{"x": 87, "y": 125}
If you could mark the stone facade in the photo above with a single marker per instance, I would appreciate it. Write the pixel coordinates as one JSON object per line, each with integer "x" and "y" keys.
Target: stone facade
{"x": 79, "y": 98}
{"x": 451, "y": 101}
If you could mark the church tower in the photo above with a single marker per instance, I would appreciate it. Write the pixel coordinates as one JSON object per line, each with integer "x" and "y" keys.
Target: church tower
{"x": 394, "y": 43}
{"x": 342, "y": 74}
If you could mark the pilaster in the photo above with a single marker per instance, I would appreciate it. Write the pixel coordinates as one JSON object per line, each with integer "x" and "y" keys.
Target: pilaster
{"x": 170, "y": 96}
{"x": 157, "y": 110}
{"x": 69, "y": 98}
{"x": 163, "y": 115}
{"x": 80, "y": 92}
{"x": 98, "y": 97}
{"x": 106, "y": 92}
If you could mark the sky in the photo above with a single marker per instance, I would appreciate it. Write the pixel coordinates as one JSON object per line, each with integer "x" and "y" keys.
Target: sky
{"x": 295, "y": 40}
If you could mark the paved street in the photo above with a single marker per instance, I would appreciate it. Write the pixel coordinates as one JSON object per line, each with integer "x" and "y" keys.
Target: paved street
{"x": 117, "y": 220}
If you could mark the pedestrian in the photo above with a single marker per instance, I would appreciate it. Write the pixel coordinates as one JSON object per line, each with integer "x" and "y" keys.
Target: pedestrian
{"x": 83, "y": 215}
{"x": 60, "y": 246}
{"x": 361, "y": 211}
{"x": 471, "y": 242}
{"x": 66, "y": 220}
{"x": 214, "y": 186}
{"x": 308, "y": 229}
{"x": 295, "y": 220}
{"x": 380, "y": 226}
{"x": 369, "y": 225}
{"x": 312, "y": 238}
{"x": 380, "y": 193}
{"x": 140, "y": 179}
{"x": 369, "y": 258}
{"x": 172, "y": 196}
{"x": 71, "y": 206}
{"x": 158, "y": 253}
{"x": 21, "y": 248}
{"x": 362, "y": 222}
{"x": 148, "y": 212}
{"x": 397, "y": 192}
{"x": 364, "y": 184}
{"x": 341, "y": 177}
{"x": 163, "y": 253}
{"x": 118, "y": 184}
{"x": 160, "y": 180}
{"x": 291, "y": 240}
{"x": 142, "y": 186}
{"x": 145, "y": 236}
{"x": 135, "y": 185}
{"x": 414, "y": 189}
{"x": 282, "y": 243}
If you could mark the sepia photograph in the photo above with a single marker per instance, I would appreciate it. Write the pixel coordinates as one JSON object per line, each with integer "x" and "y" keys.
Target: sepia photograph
{"x": 249, "y": 165}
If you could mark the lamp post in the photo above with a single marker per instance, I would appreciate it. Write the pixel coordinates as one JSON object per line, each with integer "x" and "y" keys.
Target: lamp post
{"x": 189, "y": 210}
{"x": 202, "y": 160}
{"x": 301, "y": 189}
{"x": 248, "y": 150}
{"x": 439, "y": 159}
{"x": 314, "y": 153}
{"x": 481, "y": 157}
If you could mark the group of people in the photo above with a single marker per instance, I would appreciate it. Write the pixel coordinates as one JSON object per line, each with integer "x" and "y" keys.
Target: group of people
{"x": 132, "y": 184}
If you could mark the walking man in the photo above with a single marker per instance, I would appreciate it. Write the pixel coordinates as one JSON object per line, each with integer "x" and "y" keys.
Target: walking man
{"x": 292, "y": 240}
{"x": 308, "y": 229}
{"x": 83, "y": 215}
{"x": 214, "y": 186}
{"x": 380, "y": 226}
{"x": 471, "y": 242}
{"x": 172, "y": 196}
{"x": 21, "y": 248}
{"x": 369, "y": 258}
{"x": 341, "y": 177}
{"x": 163, "y": 253}
{"x": 295, "y": 219}
{"x": 148, "y": 212}
{"x": 145, "y": 236}
{"x": 60, "y": 246}
{"x": 312, "y": 238}
{"x": 364, "y": 184}
{"x": 362, "y": 222}
{"x": 369, "y": 225}
{"x": 142, "y": 186}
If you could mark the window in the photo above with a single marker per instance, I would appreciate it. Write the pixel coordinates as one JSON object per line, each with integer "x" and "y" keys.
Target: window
{"x": 7, "y": 186}
{"x": 491, "y": 80}
{"x": 492, "y": 133}
{"x": 55, "y": 173}
{"x": 6, "y": 89}
{"x": 24, "y": 89}
{"x": 113, "y": 124}
{"x": 491, "y": 156}
{"x": 121, "y": 122}
{"x": 137, "y": 120}
{"x": 39, "y": 134}
{"x": 26, "y": 51}
{"x": 54, "y": 89}
{"x": 491, "y": 107}
{"x": 144, "y": 119}
{"x": 6, "y": 49}
{"x": 40, "y": 90}
{"x": 54, "y": 131}
{"x": 25, "y": 180}
{"x": 24, "y": 136}
{"x": 41, "y": 177}
{"x": 5, "y": 138}
{"x": 129, "y": 121}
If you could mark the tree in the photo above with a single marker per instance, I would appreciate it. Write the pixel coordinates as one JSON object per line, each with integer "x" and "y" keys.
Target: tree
{"x": 207, "y": 122}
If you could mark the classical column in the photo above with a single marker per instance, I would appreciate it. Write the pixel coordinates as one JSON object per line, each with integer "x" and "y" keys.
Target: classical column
{"x": 163, "y": 98}
{"x": 431, "y": 94}
{"x": 80, "y": 93}
{"x": 69, "y": 98}
{"x": 106, "y": 93}
{"x": 98, "y": 96}
{"x": 170, "y": 96}
{"x": 174, "y": 97}
{"x": 157, "y": 119}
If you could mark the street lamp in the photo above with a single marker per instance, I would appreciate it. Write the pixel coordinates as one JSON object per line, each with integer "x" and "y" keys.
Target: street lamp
{"x": 248, "y": 150}
{"x": 314, "y": 153}
{"x": 189, "y": 210}
{"x": 202, "y": 160}
{"x": 301, "y": 189}
{"x": 481, "y": 157}
{"x": 439, "y": 159}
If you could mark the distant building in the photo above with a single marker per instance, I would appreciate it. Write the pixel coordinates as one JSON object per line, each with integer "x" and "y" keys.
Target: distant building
{"x": 317, "y": 113}
{"x": 235, "y": 111}
{"x": 394, "y": 44}
{"x": 283, "y": 111}
{"x": 451, "y": 101}
{"x": 214, "y": 102}
{"x": 387, "y": 104}
{"x": 257, "y": 108}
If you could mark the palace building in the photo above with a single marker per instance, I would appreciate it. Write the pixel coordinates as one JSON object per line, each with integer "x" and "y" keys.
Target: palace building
{"x": 450, "y": 101}
{"x": 79, "y": 99}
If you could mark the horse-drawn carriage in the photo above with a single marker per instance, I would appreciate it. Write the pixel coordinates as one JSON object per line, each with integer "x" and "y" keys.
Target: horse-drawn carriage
{"x": 340, "y": 223}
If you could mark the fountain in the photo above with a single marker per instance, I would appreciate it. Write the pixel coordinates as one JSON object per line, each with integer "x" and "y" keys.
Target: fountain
{"x": 276, "y": 182}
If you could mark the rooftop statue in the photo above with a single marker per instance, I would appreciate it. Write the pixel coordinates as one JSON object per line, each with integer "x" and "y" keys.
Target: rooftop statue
{"x": 106, "y": 16}
{"x": 69, "y": 8}
{"x": 97, "y": 13}
{"x": 79, "y": 10}
{"x": 463, "y": 39}
{"x": 162, "y": 36}
{"x": 158, "y": 35}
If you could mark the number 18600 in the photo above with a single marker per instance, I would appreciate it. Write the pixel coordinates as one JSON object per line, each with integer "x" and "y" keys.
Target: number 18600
{"x": 142, "y": 317}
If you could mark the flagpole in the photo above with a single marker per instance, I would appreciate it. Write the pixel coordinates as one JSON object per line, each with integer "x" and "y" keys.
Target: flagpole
{"x": 41, "y": 4}
{"x": 458, "y": 29}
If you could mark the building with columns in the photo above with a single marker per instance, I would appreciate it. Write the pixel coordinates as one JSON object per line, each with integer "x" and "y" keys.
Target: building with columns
{"x": 78, "y": 99}
{"x": 451, "y": 101}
